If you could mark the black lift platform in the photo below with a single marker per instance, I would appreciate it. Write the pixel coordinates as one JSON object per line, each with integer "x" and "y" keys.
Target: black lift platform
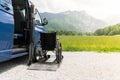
{"x": 47, "y": 54}
{"x": 48, "y": 65}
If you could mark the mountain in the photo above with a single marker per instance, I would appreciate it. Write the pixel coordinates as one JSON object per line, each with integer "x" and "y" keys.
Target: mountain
{"x": 73, "y": 21}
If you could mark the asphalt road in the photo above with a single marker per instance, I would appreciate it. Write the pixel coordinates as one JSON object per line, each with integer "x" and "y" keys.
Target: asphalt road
{"x": 75, "y": 66}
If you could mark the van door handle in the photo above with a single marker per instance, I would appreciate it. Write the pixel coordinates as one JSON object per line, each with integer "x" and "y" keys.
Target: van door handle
{"x": 5, "y": 6}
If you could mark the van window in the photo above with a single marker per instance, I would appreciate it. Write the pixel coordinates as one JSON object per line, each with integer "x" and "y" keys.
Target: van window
{"x": 38, "y": 18}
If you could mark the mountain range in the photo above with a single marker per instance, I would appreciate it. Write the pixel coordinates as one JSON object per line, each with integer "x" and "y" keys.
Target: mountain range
{"x": 78, "y": 21}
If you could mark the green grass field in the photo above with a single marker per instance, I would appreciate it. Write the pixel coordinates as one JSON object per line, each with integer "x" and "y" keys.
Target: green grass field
{"x": 91, "y": 43}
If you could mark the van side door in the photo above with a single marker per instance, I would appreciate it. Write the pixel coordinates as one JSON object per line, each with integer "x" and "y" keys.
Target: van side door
{"x": 6, "y": 25}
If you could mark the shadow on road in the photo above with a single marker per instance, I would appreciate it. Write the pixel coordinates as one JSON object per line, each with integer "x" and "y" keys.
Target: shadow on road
{"x": 5, "y": 66}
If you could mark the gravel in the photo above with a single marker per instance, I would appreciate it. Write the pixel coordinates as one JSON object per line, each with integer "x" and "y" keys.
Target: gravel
{"x": 75, "y": 66}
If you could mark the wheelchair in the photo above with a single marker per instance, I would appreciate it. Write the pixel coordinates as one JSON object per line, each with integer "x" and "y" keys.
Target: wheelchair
{"x": 48, "y": 42}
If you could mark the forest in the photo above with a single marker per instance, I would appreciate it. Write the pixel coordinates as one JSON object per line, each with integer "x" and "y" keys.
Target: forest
{"x": 108, "y": 31}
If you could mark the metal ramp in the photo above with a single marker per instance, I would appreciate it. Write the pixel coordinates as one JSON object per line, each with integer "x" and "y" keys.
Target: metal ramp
{"x": 48, "y": 65}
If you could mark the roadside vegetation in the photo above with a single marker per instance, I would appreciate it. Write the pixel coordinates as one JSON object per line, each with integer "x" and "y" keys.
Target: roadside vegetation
{"x": 91, "y": 43}
{"x": 102, "y": 40}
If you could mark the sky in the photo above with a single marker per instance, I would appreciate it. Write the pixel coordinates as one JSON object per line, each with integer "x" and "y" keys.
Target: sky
{"x": 100, "y": 9}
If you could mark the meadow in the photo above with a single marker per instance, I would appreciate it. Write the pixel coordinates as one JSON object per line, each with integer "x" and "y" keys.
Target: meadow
{"x": 91, "y": 43}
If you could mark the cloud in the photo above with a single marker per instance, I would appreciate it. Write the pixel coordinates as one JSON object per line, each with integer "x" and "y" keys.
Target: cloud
{"x": 97, "y": 8}
{"x": 55, "y": 5}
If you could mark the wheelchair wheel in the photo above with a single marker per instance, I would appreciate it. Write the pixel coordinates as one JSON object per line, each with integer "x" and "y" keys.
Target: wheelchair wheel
{"x": 58, "y": 52}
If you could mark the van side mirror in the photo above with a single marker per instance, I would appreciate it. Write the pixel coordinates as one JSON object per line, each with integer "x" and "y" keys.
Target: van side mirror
{"x": 44, "y": 22}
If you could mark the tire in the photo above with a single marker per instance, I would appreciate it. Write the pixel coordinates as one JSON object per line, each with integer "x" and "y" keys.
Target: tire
{"x": 37, "y": 52}
{"x": 58, "y": 52}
